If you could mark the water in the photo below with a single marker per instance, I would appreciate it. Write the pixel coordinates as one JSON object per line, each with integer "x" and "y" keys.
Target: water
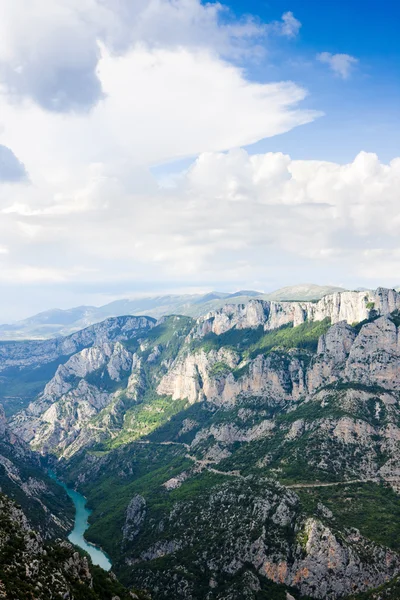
{"x": 81, "y": 524}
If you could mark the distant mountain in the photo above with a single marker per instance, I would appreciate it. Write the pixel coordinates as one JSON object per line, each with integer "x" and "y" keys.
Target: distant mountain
{"x": 304, "y": 291}
{"x": 57, "y": 322}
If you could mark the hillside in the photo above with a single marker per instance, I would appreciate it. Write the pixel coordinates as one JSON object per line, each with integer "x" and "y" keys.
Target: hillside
{"x": 250, "y": 453}
{"x": 29, "y": 568}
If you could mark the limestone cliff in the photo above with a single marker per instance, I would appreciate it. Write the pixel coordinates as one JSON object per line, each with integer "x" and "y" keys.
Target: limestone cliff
{"x": 352, "y": 307}
{"x": 27, "y": 353}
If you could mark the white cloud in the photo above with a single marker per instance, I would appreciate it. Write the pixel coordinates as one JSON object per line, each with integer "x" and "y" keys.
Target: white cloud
{"x": 142, "y": 83}
{"x": 341, "y": 64}
{"x": 232, "y": 218}
{"x": 290, "y": 26}
{"x": 159, "y": 105}
{"x": 49, "y": 51}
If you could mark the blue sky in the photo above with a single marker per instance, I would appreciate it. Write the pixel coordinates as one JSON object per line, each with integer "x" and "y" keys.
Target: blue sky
{"x": 180, "y": 145}
{"x": 360, "y": 113}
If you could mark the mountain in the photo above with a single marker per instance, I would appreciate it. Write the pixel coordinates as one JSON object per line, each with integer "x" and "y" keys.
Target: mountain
{"x": 306, "y": 291}
{"x": 26, "y": 366}
{"x": 250, "y": 453}
{"x": 56, "y": 322}
{"x": 31, "y": 568}
{"x": 23, "y": 478}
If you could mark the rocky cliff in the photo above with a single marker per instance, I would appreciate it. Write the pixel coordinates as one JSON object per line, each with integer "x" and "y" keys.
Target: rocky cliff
{"x": 25, "y": 354}
{"x": 31, "y": 569}
{"x": 256, "y": 447}
{"x": 352, "y": 307}
{"x": 23, "y": 478}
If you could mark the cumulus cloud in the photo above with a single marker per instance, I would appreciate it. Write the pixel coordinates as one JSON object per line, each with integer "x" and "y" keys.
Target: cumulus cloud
{"x": 11, "y": 169}
{"x": 49, "y": 51}
{"x": 341, "y": 64}
{"x": 232, "y": 217}
{"x": 159, "y": 105}
{"x": 101, "y": 90}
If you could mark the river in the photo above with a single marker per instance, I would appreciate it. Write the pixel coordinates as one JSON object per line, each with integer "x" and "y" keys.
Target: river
{"x": 81, "y": 524}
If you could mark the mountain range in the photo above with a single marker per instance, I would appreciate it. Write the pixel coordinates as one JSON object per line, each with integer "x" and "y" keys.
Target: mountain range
{"x": 58, "y": 322}
{"x": 248, "y": 452}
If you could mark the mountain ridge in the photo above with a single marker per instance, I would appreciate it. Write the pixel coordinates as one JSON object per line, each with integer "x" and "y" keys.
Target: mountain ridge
{"x": 219, "y": 454}
{"x": 58, "y": 322}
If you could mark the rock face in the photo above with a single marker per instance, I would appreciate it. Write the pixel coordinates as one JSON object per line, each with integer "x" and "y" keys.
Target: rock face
{"x": 254, "y": 540}
{"x": 23, "y": 354}
{"x": 80, "y": 390}
{"x": 88, "y": 382}
{"x": 92, "y": 388}
{"x": 369, "y": 357}
{"x": 22, "y": 477}
{"x": 135, "y": 515}
{"x": 205, "y": 490}
{"x": 375, "y": 355}
{"x": 29, "y": 569}
{"x": 280, "y": 377}
{"x": 352, "y": 307}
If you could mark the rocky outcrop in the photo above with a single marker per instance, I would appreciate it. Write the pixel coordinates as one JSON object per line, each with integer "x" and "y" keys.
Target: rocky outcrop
{"x": 59, "y": 420}
{"x": 374, "y": 357}
{"x": 352, "y": 307}
{"x": 135, "y": 515}
{"x": 22, "y": 477}
{"x": 215, "y": 377}
{"x": 331, "y": 567}
{"x": 30, "y": 353}
{"x": 230, "y": 433}
{"x": 370, "y": 357}
{"x": 247, "y": 525}
{"x": 29, "y": 569}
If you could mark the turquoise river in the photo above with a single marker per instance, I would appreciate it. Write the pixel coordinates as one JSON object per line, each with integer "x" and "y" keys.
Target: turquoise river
{"x": 81, "y": 524}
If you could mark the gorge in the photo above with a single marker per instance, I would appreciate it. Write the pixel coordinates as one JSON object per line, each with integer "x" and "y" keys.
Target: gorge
{"x": 76, "y": 537}
{"x": 249, "y": 453}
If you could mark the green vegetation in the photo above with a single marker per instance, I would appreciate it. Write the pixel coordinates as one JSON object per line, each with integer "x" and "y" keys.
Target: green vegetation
{"x": 143, "y": 419}
{"x": 220, "y": 368}
{"x": 133, "y": 416}
{"x": 52, "y": 498}
{"x": 388, "y": 591}
{"x": 18, "y": 386}
{"x": 373, "y": 509}
{"x": 395, "y": 317}
{"x": 30, "y": 569}
{"x": 251, "y": 342}
{"x": 199, "y": 414}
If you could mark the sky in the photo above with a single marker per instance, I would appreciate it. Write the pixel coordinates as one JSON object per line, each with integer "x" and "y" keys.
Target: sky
{"x": 158, "y": 146}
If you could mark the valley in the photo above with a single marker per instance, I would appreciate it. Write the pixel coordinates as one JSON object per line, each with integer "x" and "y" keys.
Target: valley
{"x": 251, "y": 452}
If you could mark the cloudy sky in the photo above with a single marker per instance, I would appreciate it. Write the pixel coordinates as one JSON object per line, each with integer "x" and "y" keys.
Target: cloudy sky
{"x": 179, "y": 145}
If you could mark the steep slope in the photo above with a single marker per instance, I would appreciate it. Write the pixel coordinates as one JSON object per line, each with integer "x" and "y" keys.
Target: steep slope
{"x": 31, "y": 569}
{"x": 352, "y": 307}
{"x": 109, "y": 394}
{"x": 23, "y": 479}
{"x": 212, "y": 536}
{"x": 227, "y": 458}
{"x": 103, "y": 392}
{"x": 26, "y": 367}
